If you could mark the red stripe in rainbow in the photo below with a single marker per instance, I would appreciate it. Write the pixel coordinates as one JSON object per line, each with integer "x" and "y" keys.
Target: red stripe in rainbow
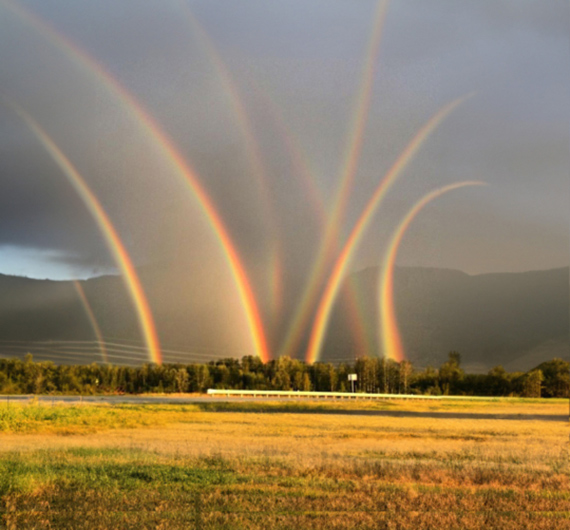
{"x": 180, "y": 167}
{"x": 114, "y": 243}
{"x": 390, "y": 338}
{"x": 92, "y": 320}
{"x": 327, "y": 300}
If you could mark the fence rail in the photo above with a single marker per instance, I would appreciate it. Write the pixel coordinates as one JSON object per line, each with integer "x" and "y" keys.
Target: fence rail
{"x": 339, "y": 395}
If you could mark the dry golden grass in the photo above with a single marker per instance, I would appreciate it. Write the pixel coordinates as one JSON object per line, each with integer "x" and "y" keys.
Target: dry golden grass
{"x": 201, "y": 469}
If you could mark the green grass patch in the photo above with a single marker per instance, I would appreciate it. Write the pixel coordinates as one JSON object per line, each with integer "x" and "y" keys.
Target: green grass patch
{"x": 114, "y": 469}
{"x": 84, "y": 419}
{"x": 123, "y": 488}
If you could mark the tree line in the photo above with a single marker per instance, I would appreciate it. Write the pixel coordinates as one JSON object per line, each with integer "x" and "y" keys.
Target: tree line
{"x": 549, "y": 379}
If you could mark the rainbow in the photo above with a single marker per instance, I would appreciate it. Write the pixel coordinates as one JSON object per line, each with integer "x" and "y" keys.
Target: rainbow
{"x": 92, "y": 320}
{"x": 114, "y": 243}
{"x": 325, "y": 305}
{"x": 300, "y": 162}
{"x": 179, "y": 166}
{"x": 305, "y": 174}
{"x": 347, "y": 174}
{"x": 390, "y": 336}
{"x": 276, "y": 285}
{"x": 251, "y": 143}
{"x": 360, "y": 119}
{"x": 357, "y": 318}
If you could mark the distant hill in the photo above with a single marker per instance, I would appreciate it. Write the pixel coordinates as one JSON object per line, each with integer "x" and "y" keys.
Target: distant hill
{"x": 47, "y": 318}
{"x": 514, "y": 319}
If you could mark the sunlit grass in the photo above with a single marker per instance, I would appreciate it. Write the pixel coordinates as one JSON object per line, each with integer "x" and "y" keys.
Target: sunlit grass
{"x": 38, "y": 417}
{"x": 83, "y": 419}
{"x": 251, "y": 465}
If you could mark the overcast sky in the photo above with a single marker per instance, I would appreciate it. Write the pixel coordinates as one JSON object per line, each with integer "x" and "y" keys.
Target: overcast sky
{"x": 297, "y": 65}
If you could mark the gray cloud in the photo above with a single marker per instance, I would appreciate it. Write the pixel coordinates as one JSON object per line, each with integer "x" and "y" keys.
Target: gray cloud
{"x": 307, "y": 57}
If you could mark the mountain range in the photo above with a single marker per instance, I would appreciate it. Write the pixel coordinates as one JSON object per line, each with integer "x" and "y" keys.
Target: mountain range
{"x": 513, "y": 319}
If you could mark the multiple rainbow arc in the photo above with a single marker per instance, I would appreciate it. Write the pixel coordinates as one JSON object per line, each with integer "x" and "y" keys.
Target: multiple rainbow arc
{"x": 252, "y": 147}
{"x": 107, "y": 229}
{"x": 159, "y": 140}
{"x": 332, "y": 252}
{"x": 331, "y": 236}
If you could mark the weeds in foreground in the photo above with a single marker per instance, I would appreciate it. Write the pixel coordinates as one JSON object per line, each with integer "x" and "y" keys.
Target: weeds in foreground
{"x": 126, "y": 489}
{"x": 189, "y": 468}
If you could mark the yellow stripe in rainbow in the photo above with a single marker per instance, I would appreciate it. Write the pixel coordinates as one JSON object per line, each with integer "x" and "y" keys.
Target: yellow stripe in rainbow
{"x": 347, "y": 174}
{"x": 175, "y": 160}
{"x": 114, "y": 243}
{"x": 390, "y": 338}
{"x": 92, "y": 320}
{"x": 251, "y": 143}
{"x": 327, "y": 300}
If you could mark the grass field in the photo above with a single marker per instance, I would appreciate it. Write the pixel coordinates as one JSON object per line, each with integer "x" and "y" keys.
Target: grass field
{"x": 489, "y": 465}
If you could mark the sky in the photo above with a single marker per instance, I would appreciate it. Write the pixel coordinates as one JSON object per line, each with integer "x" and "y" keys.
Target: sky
{"x": 288, "y": 91}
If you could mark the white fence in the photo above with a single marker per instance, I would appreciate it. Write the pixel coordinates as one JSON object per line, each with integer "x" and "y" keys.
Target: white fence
{"x": 338, "y": 395}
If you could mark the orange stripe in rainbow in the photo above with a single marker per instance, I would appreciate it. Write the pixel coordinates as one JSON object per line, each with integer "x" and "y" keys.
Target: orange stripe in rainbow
{"x": 111, "y": 236}
{"x": 92, "y": 320}
{"x": 177, "y": 163}
{"x": 347, "y": 174}
{"x": 390, "y": 338}
{"x": 325, "y": 305}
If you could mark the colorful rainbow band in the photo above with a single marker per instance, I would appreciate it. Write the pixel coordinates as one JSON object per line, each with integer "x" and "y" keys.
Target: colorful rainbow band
{"x": 348, "y": 172}
{"x": 252, "y": 148}
{"x": 327, "y": 300}
{"x": 114, "y": 243}
{"x": 390, "y": 337}
{"x": 92, "y": 320}
{"x": 175, "y": 160}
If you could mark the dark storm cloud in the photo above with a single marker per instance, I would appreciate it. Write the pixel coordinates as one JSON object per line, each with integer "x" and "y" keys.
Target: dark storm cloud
{"x": 307, "y": 57}
{"x": 38, "y": 208}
